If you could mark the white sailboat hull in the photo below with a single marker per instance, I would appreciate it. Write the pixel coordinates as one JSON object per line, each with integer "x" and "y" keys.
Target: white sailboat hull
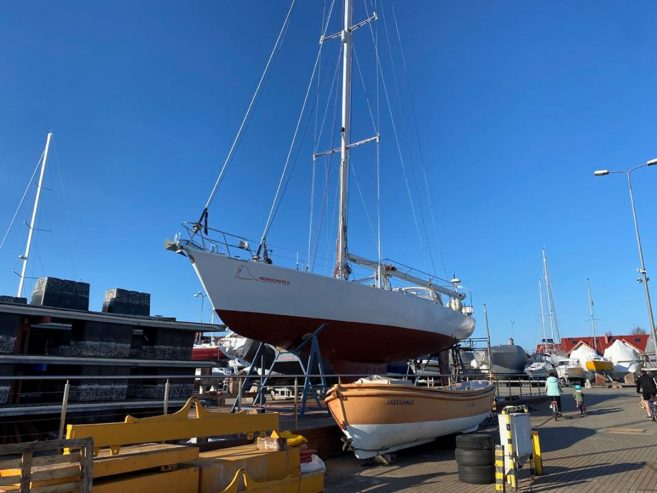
{"x": 361, "y": 323}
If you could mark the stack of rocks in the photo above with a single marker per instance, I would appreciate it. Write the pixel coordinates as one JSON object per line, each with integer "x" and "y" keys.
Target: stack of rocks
{"x": 9, "y": 327}
{"x": 61, "y": 293}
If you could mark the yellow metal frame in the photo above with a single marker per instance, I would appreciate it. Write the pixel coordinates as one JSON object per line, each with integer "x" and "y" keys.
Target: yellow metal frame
{"x": 176, "y": 426}
{"x": 538, "y": 455}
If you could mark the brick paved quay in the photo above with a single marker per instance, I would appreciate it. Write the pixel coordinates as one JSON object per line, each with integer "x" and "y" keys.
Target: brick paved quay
{"x": 612, "y": 449}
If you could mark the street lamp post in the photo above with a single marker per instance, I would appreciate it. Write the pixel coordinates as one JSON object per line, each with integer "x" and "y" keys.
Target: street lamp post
{"x": 200, "y": 294}
{"x": 642, "y": 269}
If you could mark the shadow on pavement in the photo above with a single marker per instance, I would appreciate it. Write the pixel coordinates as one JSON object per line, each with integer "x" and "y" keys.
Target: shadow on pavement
{"x": 556, "y": 478}
{"x": 560, "y": 438}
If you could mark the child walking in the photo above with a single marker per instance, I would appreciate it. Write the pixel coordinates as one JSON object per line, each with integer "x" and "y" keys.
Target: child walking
{"x": 579, "y": 399}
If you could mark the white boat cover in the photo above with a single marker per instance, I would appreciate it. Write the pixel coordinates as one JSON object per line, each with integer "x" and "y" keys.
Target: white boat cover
{"x": 583, "y": 354}
{"x": 624, "y": 357}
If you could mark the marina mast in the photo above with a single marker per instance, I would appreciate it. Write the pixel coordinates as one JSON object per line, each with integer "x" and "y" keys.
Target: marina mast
{"x": 540, "y": 297}
{"x": 552, "y": 313}
{"x": 588, "y": 288}
{"x": 342, "y": 265}
{"x": 24, "y": 258}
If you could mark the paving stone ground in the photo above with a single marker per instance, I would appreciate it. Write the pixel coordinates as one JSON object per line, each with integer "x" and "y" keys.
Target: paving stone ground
{"x": 612, "y": 449}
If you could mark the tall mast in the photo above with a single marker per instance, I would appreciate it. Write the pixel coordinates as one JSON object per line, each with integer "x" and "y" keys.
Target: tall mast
{"x": 342, "y": 266}
{"x": 540, "y": 297}
{"x": 595, "y": 340}
{"x": 30, "y": 232}
{"x": 554, "y": 327}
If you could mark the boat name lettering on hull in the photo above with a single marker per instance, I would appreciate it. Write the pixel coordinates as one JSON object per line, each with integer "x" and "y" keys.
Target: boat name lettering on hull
{"x": 400, "y": 402}
{"x": 244, "y": 274}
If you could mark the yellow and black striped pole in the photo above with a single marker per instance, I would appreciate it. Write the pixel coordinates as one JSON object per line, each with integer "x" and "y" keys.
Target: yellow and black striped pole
{"x": 500, "y": 483}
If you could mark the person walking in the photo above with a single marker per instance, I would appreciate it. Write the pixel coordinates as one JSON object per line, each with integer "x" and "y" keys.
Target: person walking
{"x": 578, "y": 395}
{"x": 553, "y": 390}
{"x": 645, "y": 385}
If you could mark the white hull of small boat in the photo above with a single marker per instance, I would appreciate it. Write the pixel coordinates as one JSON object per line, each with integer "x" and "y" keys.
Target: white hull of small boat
{"x": 379, "y": 417}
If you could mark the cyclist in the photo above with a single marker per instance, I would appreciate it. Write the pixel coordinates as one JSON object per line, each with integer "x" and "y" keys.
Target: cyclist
{"x": 645, "y": 385}
{"x": 553, "y": 390}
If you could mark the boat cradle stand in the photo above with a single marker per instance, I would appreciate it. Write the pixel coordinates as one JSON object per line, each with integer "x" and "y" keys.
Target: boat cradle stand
{"x": 316, "y": 391}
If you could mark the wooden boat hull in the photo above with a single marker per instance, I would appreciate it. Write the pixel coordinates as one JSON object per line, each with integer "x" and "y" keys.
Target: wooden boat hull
{"x": 380, "y": 417}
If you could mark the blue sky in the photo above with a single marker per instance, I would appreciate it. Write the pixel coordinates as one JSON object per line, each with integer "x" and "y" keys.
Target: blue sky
{"x": 517, "y": 103}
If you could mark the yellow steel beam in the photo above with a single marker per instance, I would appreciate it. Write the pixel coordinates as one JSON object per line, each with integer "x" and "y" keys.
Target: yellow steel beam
{"x": 177, "y": 426}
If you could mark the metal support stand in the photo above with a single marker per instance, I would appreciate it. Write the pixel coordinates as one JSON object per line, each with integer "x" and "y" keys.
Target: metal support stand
{"x": 250, "y": 375}
{"x": 314, "y": 359}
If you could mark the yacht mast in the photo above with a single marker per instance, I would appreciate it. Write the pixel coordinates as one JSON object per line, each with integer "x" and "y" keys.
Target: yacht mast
{"x": 342, "y": 265}
{"x": 540, "y": 297}
{"x": 24, "y": 258}
{"x": 595, "y": 339}
{"x": 552, "y": 313}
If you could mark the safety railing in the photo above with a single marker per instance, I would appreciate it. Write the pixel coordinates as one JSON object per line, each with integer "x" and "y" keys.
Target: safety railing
{"x": 282, "y": 393}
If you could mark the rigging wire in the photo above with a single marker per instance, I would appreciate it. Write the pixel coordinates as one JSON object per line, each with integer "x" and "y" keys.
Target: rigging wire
{"x": 417, "y": 134}
{"x": 20, "y": 203}
{"x": 378, "y": 156}
{"x": 318, "y": 137}
{"x": 313, "y": 166}
{"x": 328, "y": 160}
{"x": 412, "y": 175}
{"x": 282, "y": 182}
{"x": 362, "y": 199}
{"x": 398, "y": 146}
{"x": 249, "y": 110}
{"x": 67, "y": 210}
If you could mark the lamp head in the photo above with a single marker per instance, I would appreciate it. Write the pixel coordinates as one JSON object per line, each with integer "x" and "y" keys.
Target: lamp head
{"x": 601, "y": 172}
{"x": 651, "y": 162}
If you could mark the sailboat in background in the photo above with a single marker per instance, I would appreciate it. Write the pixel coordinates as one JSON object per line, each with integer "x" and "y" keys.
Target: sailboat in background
{"x": 568, "y": 369}
{"x": 355, "y": 322}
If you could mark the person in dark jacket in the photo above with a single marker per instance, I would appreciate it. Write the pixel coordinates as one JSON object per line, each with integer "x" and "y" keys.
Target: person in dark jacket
{"x": 645, "y": 385}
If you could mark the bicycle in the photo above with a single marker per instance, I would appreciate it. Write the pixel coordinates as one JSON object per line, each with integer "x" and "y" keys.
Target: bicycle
{"x": 555, "y": 408}
{"x": 653, "y": 409}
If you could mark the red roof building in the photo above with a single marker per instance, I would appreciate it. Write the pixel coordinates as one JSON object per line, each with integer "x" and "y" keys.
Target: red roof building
{"x": 567, "y": 344}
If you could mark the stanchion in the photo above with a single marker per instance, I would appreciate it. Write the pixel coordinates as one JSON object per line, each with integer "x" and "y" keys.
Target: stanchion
{"x": 500, "y": 480}
{"x": 537, "y": 455}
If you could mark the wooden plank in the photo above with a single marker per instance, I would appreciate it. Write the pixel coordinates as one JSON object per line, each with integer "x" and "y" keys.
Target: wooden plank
{"x": 26, "y": 471}
{"x": 57, "y": 488}
{"x": 49, "y": 472}
{"x": 142, "y": 457}
{"x": 41, "y": 446}
{"x": 15, "y": 478}
{"x": 87, "y": 465}
{"x": 182, "y": 480}
{"x": 10, "y": 464}
{"x": 55, "y": 459}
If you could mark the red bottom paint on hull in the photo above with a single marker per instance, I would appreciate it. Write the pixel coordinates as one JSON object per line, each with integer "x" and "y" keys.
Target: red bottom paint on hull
{"x": 342, "y": 343}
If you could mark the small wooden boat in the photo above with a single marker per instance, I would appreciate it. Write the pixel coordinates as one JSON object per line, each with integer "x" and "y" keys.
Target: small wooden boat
{"x": 380, "y": 415}
{"x": 599, "y": 364}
